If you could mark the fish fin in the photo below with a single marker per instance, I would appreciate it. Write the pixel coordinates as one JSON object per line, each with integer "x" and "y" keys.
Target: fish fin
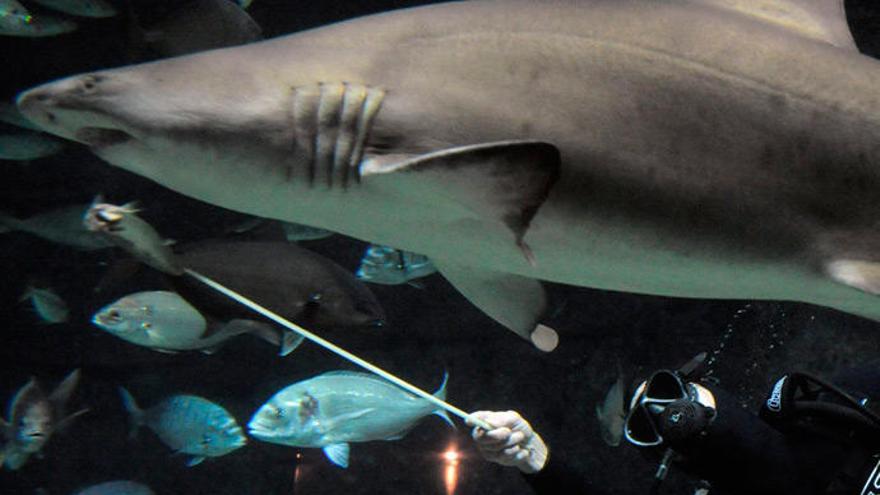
{"x": 862, "y": 275}
{"x": 289, "y": 342}
{"x": 416, "y": 284}
{"x": 195, "y": 461}
{"x": 59, "y": 397}
{"x": 441, "y": 394}
{"x": 823, "y": 20}
{"x": 67, "y": 421}
{"x": 503, "y": 182}
{"x": 135, "y": 413}
{"x": 338, "y": 454}
{"x": 515, "y": 301}
{"x": 210, "y": 351}
{"x": 169, "y": 351}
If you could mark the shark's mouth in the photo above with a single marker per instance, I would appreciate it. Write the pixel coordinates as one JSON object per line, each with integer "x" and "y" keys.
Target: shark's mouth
{"x": 99, "y": 137}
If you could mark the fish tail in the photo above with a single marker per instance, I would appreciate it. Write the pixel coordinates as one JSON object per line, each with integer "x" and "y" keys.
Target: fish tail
{"x": 135, "y": 413}
{"x": 9, "y": 223}
{"x": 286, "y": 340}
{"x": 441, "y": 394}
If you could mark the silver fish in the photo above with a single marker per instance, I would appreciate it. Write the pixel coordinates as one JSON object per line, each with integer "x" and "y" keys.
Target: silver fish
{"x": 727, "y": 152}
{"x": 188, "y": 424}
{"x": 119, "y": 487}
{"x": 338, "y": 407}
{"x": 50, "y": 307}
{"x": 15, "y": 20}
{"x": 28, "y": 146}
{"x": 390, "y": 266}
{"x": 122, "y": 226}
{"x": 610, "y": 413}
{"x": 34, "y": 417}
{"x": 83, "y": 8}
{"x": 164, "y": 321}
{"x": 63, "y": 226}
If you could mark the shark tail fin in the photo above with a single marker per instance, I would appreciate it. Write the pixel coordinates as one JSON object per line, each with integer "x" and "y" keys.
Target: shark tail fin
{"x": 441, "y": 394}
{"x": 135, "y": 413}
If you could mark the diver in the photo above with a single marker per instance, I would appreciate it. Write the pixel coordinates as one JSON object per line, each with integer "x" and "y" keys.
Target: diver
{"x": 809, "y": 437}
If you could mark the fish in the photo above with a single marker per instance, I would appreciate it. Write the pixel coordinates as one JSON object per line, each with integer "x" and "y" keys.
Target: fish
{"x": 188, "y": 424}
{"x": 611, "y": 414}
{"x": 296, "y": 283}
{"x": 165, "y": 322}
{"x": 50, "y": 307}
{"x": 122, "y": 226}
{"x": 33, "y": 418}
{"x": 724, "y": 153}
{"x": 62, "y": 225}
{"x": 21, "y": 146}
{"x": 295, "y": 232}
{"x": 119, "y": 487}
{"x": 336, "y": 408}
{"x": 10, "y": 115}
{"x": 389, "y": 266}
{"x": 195, "y": 26}
{"x": 15, "y": 20}
{"x": 82, "y": 8}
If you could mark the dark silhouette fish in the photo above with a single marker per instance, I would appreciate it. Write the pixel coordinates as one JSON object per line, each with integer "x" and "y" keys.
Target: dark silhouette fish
{"x": 33, "y": 418}
{"x": 296, "y": 283}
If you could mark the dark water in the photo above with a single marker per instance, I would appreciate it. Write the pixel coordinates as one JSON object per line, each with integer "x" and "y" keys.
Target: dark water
{"x": 430, "y": 330}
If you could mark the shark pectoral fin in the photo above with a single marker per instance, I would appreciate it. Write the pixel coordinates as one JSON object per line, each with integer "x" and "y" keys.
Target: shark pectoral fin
{"x": 823, "y": 20}
{"x": 862, "y": 275}
{"x": 338, "y": 454}
{"x": 515, "y": 301}
{"x": 504, "y": 182}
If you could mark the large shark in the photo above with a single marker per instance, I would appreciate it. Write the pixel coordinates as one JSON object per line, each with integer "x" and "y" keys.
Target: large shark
{"x": 695, "y": 148}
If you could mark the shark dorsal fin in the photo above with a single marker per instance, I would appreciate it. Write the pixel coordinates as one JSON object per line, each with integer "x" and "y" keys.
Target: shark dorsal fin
{"x": 823, "y": 20}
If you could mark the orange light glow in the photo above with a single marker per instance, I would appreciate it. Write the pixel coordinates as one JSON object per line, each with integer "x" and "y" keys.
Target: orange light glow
{"x": 451, "y": 458}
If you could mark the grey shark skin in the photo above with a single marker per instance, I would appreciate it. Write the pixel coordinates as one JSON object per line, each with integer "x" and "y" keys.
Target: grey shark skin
{"x": 686, "y": 148}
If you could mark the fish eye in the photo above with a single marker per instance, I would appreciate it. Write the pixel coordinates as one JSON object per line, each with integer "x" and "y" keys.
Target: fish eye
{"x": 114, "y": 316}
{"x": 146, "y": 325}
{"x": 206, "y": 440}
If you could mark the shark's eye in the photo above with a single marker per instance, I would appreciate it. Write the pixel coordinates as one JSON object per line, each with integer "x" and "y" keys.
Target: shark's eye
{"x": 89, "y": 83}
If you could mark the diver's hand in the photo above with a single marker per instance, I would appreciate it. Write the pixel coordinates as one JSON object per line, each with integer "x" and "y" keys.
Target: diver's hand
{"x": 511, "y": 441}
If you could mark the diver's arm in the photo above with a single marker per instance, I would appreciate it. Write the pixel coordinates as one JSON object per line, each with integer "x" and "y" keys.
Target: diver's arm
{"x": 513, "y": 442}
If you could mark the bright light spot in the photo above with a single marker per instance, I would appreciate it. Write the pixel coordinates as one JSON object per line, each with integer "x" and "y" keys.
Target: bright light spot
{"x": 450, "y": 476}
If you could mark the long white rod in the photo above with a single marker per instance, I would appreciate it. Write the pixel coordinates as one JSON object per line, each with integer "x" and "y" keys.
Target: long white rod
{"x": 336, "y": 349}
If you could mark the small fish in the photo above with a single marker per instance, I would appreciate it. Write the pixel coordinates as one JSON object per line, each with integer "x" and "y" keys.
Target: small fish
{"x": 295, "y": 232}
{"x": 62, "y": 226}
{"x": 338, "y": 407}
{"x": 10, "y": 114}
{"x": 82, "y": 8}
{"x": 611, "y": 415}
{"x": 122, "y": 226}
{"x": 120, "y": 487}
{"x": 15, "y": 20}
{"x": 164, "y": 321}
{"x": 188, "y": 424}
{"x": 28, "y": 146}
{"x": 194, "y": 26}
{"x": 50, "y": 307}
{"x": 33, "y": 418}
{"x": 390, "y": 266}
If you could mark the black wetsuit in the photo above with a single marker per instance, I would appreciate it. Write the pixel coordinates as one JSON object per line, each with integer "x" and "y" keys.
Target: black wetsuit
{"x": 742, "y": 454}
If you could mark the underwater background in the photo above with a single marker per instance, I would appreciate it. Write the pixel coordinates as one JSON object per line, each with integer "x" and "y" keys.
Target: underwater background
{"x": 430, "y": 329}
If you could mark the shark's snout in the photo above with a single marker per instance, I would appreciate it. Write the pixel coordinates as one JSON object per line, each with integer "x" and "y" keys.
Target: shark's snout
{"x": 34, "y": 105}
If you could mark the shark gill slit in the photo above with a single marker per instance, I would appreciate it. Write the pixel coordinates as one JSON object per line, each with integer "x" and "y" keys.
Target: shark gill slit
{"x": 332, "y": 122}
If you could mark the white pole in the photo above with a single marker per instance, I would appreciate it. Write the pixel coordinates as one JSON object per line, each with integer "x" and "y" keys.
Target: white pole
{"x": 336, "y": 349}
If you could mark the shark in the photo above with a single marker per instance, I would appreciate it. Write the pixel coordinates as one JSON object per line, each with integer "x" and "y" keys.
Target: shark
{"x": 723, "y": 149}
